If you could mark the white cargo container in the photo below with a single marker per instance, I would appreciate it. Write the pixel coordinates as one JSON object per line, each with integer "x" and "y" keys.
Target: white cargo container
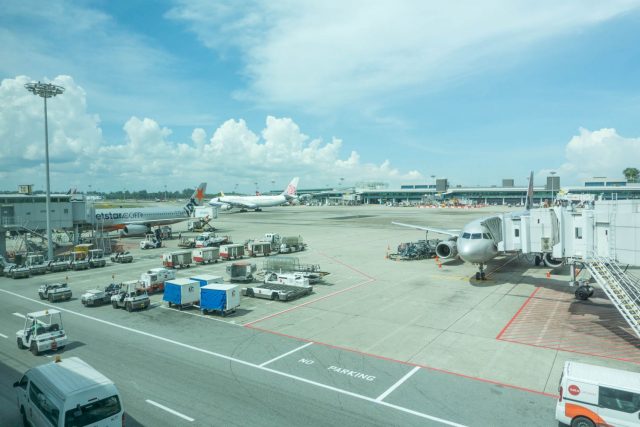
{"x": 219, "y": 297}
{"x": 153, "y": 280}
{"x": 177, "y": 259}
{"x": 231, "y": 251}
{"x": 205, "y": 255}
{"x": 181, "y": 292}
{"x": 207, "y": 279}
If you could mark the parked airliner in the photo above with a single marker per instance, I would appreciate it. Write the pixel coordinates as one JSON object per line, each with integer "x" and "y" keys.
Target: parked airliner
{"x": 138, "y": 221}
{"x": 257, "y": 202}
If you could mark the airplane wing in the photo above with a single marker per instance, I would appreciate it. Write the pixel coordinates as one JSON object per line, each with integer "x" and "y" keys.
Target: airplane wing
{"x": 239, "y": 204}
{"x": 453, "y": 233}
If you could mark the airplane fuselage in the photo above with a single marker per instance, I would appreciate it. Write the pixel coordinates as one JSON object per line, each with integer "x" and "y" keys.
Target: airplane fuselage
{"x": 115, "y": 219}
{"x": 475, "y": 243}
{"x": 249, "y": 202}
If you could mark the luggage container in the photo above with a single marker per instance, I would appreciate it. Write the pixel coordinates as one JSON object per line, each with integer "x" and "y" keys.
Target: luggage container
{"x": 153, "y": 280}
{"x": 222, "y": 298}
{"x": 205, "y": 255}
{"x": 207, "y": 279}
{"x": 177, "y": 259}
{"x": 258, "y": 248}
{"x": 241, "y": 271}
{"x": 233, "y": 251}
{"x": 181, "y": 292}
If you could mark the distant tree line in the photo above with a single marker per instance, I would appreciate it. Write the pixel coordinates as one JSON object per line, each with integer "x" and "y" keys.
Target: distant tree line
{"x": 631, "y": 174}
{"x": 146, "y": 195}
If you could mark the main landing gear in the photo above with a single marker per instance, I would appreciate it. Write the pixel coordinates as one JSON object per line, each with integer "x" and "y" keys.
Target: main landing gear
{"x": 584, "y": 292}
{"x": 480, "y": 274}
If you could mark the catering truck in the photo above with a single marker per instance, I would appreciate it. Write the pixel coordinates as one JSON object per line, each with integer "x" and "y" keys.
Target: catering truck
{"x": 181, "y": 292}
{"x": 68, "y": 392}
{"x": 219, "y": 297}
{"x": 591, "y": 395}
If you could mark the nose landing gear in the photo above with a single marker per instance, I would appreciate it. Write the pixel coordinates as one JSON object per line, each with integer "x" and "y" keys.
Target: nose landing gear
{"x": 480, "y": 274}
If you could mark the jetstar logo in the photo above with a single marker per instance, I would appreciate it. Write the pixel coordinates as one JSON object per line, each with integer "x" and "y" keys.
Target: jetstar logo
{"x": 199, "y": 194}
{"x": 574, "y": 390}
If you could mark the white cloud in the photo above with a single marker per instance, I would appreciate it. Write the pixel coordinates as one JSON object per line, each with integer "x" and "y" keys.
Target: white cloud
{"x": 331, "y": 53}
{"x": 149, "y": 158}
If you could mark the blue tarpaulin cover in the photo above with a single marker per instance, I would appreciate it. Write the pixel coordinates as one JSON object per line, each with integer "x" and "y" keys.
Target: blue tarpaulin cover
{"x": 213, "y": 299}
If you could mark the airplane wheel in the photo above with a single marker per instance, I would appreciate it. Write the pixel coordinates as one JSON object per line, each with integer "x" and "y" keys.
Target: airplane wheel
{"x": 478, "y": 275}
{"x": 537, "y": 260}
{"x": 482, "y": 276}
{"x": 582, "y": 293}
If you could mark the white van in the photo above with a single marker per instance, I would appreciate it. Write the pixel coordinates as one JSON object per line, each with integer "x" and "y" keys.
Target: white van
{"x": 68, "y": 393}
{"x": 594, "y": 395}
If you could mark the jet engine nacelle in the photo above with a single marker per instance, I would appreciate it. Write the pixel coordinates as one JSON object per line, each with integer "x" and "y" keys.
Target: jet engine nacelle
{"x": 135, "y": 230}
{"x": 550, "y": 261}
{"x": 225, "y": 207}
{"x": 447, "y": 249}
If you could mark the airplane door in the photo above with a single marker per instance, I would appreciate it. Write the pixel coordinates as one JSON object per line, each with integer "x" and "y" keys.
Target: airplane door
{"x": 602, "y": 240}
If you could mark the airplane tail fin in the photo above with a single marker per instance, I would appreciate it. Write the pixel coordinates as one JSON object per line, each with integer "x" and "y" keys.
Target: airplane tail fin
{"x": 529, "y": 202}
{"x": 196, "y": 198}
{"x": 292, "y": 188}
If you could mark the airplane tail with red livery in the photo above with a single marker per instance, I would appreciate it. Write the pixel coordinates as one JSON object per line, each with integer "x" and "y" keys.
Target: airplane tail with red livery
{"x": 291, "y": 190}
{"x": 196, "y": 198}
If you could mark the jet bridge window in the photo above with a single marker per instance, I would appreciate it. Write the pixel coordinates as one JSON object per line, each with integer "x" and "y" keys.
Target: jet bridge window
{"x": 578, "y": 232}
{"x": 516, "y": 232}
{"x": 486, "y": 236}
{"x": 476, "y": 236}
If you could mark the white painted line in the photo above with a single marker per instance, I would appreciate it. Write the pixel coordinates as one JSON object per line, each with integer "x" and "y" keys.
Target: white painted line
{"x": 202, "y": 316}
{"x": 396, "y": 385}
{"x": 3, "y": 336}
{"x": 243, "y": 362}
{"x": 286, "y": 354}
{"x": 22, "y": 316}
{"x": 169, "y": 410}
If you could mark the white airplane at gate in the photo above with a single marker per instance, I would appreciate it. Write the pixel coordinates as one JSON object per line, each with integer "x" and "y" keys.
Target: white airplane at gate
{"x": 258, "y": 202}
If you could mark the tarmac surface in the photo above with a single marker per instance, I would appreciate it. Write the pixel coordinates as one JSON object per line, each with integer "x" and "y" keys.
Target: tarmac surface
{"x": 379, "y": 342}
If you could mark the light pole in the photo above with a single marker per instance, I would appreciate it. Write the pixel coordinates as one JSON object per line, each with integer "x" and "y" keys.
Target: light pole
{"x": 46, "y": 90}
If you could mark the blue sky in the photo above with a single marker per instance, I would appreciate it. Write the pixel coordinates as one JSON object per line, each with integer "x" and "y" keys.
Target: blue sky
{"x": 175, "y": 92}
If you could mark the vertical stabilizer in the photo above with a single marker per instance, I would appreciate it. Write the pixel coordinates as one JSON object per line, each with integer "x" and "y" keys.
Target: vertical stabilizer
{"x": 196, "y": 198}
{"x": 292, "y": 188}
{"x": 529, "y": 203}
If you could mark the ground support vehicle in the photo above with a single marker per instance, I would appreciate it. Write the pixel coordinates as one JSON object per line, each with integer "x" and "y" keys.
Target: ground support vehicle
{"x": 415, "y": 250}
{"x": 93, "y": 297}
{"x": 150, "y": 242}
{"x": 131, "y": 297}
{"x": 96, "y": 258}
{"x": 294, "y": 279}
{"x": 274, "y": 239}
{"x": 241, "y": 271}
{"x": 220, "y": 298}
{"x": 233, "y": 251}
{"x": 17, "y": 271}
{"x": 181, "y": 293}
{"x": 153, "y": 280}
{"x": 68, "y": 392}
{"x": 43, "y": 330}
{"x": 276, "y": 292}
{"x": 292, "y": 244}
{"x": 205, "y": 255}
{"x": 187, "y": 243}
{"x": 258, "y": 248}
{"x": 210, "y": 240}
{"x": 177, "y": 259}
{"x": 287, "y": 264}
{"x": 207, "y": 279}
{"x": 78, "y": 260}
{"x": 592, "y": 396}
{"x": 200, "y": 224}
{"x": 122, "y": 257}
{"x": 54, "y": 292}
{"x": 166, "y": 233}
{"x": 58, "y": 265}
{"x": 36, "y": 264}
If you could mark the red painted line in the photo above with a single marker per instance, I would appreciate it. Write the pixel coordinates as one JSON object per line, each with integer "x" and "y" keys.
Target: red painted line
{"x": 347, "y": 265}
{"x": 518, "y": 312}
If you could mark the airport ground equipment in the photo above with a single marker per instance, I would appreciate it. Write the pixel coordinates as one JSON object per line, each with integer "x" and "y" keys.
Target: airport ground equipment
{"x": 150, "y": 242}
{"x": 219, "y": 297}
{"x": 59, "y": 264}
{"x": 78, "y": 260}
{"x": 274, "y": 239}
{"x": 153, "y": 280}
{"x": 181, "y": 293}
{"x": 205, "y": 255}
{"x": 122, "y": 257}
{"x": 293, "y": 279}
{"x": 289, "y": 264}
{"x": 43, "y": 330}
{"x": 96, "y": 258}
{"x": 55, "y": 292}
{"x": 166, "y": 233}
{"x": 16, "y": 271}
{"x": 207, "y": 279}
{"x": 36, "y": 264}
{"x": 131, "y": 297}
{"x": 275, "y": 290}
{"x": 200, "y": 224}
{"x": 415, "y": 250}
{"x": 209, "y": 240}
{"x": 187, "y": 243}
{"x": 94, "y": 297}
{"x": 241, "y": 271}
{"x": 232, "y": 251}
{"x": 177, "y": 259}
{"x": 292, "y": 244}
{"x": 258, "y": 248}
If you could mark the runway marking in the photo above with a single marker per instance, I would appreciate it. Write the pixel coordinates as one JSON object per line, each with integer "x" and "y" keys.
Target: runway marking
{"x": 3, "y": 336}
{"x": 286, "y": 354}
{"x": 20, "y": 315}
{"x": 396, "y": 385}
{"x": 228, "y": 322}
{"x": 171, "y": 411}
{"x": 245, "y": 363}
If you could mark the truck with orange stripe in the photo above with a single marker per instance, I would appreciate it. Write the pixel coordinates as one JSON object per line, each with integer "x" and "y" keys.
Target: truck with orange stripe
{"x": 591, "y": 395}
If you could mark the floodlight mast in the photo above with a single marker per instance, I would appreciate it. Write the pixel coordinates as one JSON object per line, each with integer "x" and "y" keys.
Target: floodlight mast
{"x": 46, "y": 90}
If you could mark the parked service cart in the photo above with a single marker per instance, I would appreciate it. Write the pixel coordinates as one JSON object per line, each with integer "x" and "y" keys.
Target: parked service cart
{"x": 232, "y": 251}
{"x": 207, "y": 279}
{"x": 294, "y": 279}
{"x": 241, "y": 271}
{"x": 122, "y": 257}
{"x": 153, "y": 280}
{"x": 186, "y": 242}
{"x": 292, "y": 244}
{"x": 94, "y": 297}
{"x": 54, "y": 292}
{"x": 131, "y": 297}
{"x": 59, "y": 264}
{"x": 276, "y": 292}
{"x": 219, "y": 297}
{"x": 205, "y": 255}
{"x": 96, "y": 258}
{"x": 42, "y": 331}
{"x": 36, "y": 264}
{"x": 177, "y": 259}
{"x": 17, "y": 271}
{"x": 257, "y": 248}
{"x": 289, "y": 264}
{"x": 150, "y": 242}
{"x": 181, "y": 292}
{"x": 78, "y": 260}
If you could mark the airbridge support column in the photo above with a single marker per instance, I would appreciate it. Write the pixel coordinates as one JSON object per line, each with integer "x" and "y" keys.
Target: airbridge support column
{"x": 3, "y": 242}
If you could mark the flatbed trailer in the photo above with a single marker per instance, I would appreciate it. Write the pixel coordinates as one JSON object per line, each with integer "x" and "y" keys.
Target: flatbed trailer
{"x": 277, "y": 292}
{"x": 422, "y": 249}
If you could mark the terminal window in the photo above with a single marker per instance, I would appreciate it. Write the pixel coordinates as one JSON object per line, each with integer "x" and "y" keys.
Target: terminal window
{"x": 578, "y": 232}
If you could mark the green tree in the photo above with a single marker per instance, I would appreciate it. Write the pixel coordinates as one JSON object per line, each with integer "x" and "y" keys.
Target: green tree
{"x": 631, "y": 174}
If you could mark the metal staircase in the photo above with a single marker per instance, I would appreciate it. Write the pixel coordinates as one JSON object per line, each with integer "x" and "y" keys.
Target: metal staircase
{"x": 622, "y": 288}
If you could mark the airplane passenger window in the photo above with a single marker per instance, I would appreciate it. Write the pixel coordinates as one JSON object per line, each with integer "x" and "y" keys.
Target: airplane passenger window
{"x": 476, "y": 236}
{"x": 466, "y": 235}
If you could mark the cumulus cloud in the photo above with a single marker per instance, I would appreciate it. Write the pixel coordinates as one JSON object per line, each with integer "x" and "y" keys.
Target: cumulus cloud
{"x": 148, "y": 157}
{"x": 329, "y": 53}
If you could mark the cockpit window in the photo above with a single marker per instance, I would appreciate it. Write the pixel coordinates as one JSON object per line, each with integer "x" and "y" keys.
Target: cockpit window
{"x": 476, "y": 236}
{"x": 466, "y": 235}
{"x": 486, "y": 236}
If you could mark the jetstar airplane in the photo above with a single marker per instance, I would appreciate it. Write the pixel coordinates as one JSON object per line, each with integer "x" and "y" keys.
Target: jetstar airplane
{"x": 476, "y": 243}
{"x": 257, "y": 202}
{"x": 138, "y": 221}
